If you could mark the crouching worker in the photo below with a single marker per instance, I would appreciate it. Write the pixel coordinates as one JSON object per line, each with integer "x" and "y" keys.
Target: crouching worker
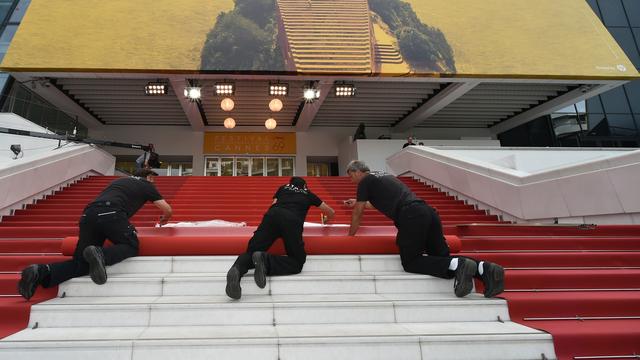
{"x": 106, "y": 217}
{"x": 419, "y": 232}
{"x": 285, "y": 219}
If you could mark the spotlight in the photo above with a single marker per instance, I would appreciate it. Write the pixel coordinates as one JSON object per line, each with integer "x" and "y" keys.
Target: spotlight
{"x": 193, "y": 93}
{"x": 345, "y": 90}
{"x": 270, "y": 124}
{"x": 227, "y": 104}
{"x": 16, "y": 149}
{"x": 311, "y": 94}
{"x": 275, "y": 105}
{"x": 277, "y": 89}
{"x": 225, "y": 89}
{"x": 156, "y": 88}
{"x": 229, "y": 123}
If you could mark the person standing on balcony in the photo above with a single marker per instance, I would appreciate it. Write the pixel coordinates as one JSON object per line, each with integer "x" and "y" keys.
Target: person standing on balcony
{"x": 419, "y": 232}
{"x": 106, "y": 217}
{"x": 409, "y": 142}
{"x": 285, "y": 219}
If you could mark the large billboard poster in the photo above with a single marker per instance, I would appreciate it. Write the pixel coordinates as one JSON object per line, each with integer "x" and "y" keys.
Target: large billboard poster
{"x": 466, "y": 38}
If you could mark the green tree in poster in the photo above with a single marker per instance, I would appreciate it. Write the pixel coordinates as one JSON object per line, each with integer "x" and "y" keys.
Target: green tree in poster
{"x": 244, "y": 39}
{"x": 423, "y": 47}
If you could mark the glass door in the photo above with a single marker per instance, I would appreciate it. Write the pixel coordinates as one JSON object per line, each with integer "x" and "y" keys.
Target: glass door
{"x": 273, "y": 166}
{"x": 242, "y": 167}
{"x": 257, "y": 166}
{"x": 248, "y": 166}
{"x": 226, "y": 166}
{"x": 212, "y": 166}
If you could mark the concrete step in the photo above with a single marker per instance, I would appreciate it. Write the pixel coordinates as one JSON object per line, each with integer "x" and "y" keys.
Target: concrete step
{"x": 221, "y": 264}
{"x": 176, "y": 284}
{"x": 339, "y": 307}
{"x": 187, "y": 311}
{"x": 454, "y": 340}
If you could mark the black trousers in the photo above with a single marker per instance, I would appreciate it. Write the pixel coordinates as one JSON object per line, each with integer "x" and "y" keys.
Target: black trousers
{"x": 419, "y": 233}
{"x": 97, "y": 224}
{"x": 276, "y": 223}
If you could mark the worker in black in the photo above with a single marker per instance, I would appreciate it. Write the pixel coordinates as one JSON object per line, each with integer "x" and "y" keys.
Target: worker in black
{"x": 419, "y": 232}
{"x": 285, "y": 219}
{"x": 106, "y": 217}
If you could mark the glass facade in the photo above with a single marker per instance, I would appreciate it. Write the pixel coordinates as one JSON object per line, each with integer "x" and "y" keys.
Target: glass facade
{"x": 611, "y": 119}
{"x": 616, "y": 113}
{"x": 20, "y": 100}
{"x": 11, "y": 13}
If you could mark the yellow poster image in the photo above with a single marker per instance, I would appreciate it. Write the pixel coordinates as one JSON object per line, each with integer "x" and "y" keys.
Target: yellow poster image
{"x": 438, "y": 38}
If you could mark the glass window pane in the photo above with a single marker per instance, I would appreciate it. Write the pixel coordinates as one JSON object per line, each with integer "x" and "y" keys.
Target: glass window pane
{"x": 20, "y": 10}
{"x": 287, "y": 167}
{"x": 636, "y": 34}
{"x": 633, "y": 11}
{"x": 615, "y": 101}
{"x": 594, "y": 120}
{"x": 594, "y": 7}
{"x": 5, "y": 6}
{"x": 633, "y": 91}
{"x": 594, "y": 105}
{"x": 621, "y": 125}
{"x": 8, "y": 33}
{"x": 624, "y": 37}
{"x": 613, "y": 13}
{"x": 257, "y": 166}
{"x": 226, "y": 166}
{"x": 242, "y": 167}
{"x": 212, "y": 166}
{"x": 272, "y": 166}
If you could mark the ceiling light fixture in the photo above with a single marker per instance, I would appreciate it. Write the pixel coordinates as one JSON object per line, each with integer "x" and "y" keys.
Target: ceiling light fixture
{"x": 227, "y": 104}
{"x": 345, "y": 90}
{"x": 229, "y": 123}
{"x": 311, "y": 94}
{"x": 270, "y": 124}
{"x": 278, "y": 89}
{"x": 193, "y": 93}
{"x": 225, "y": 89}
{"x": 275, "y": 105}
{"x": 156, "y": 88}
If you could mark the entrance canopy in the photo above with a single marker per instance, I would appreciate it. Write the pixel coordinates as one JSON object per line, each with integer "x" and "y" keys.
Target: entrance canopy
{"x": 440, "y": 63}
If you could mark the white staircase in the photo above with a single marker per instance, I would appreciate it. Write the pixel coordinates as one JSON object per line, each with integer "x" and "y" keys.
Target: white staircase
{"x": 339, "y": 307}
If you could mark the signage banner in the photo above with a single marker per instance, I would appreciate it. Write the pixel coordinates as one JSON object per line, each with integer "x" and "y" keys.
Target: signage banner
{"x": 251, "y": 143}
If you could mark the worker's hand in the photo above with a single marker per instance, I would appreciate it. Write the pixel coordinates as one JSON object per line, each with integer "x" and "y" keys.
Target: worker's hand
{"x": 324, "y": 218}
{"x": 350, "y": 203}
{"x": 163, "y": 220}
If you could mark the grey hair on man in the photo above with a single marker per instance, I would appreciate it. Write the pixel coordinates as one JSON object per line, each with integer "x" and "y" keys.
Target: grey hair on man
{"x": 356, "y": 165}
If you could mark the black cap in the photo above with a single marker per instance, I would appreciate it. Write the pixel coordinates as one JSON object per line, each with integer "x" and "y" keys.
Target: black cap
{"x": 143, "y": 173}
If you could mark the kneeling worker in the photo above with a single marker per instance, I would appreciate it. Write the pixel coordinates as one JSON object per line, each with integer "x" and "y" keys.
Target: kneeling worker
{"x": 419, "y": 232}
{"x": 107, "y": 217}
{"x": 285, "y": 218}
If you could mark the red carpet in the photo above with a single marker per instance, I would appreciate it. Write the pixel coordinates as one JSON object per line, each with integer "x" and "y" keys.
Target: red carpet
{"x": 554, "y": 274}
{"x": 581, "y": 284}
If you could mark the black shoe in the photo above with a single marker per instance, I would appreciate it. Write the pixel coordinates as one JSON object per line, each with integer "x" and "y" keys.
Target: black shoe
{"x": 463, "y": 283}
{"x": 29, "y": 281}
{"x": 493, "y": 279}
{"x": 94, "y": 256}
{"x": 260, "y": 274}
{"x": 233, "y": 289}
